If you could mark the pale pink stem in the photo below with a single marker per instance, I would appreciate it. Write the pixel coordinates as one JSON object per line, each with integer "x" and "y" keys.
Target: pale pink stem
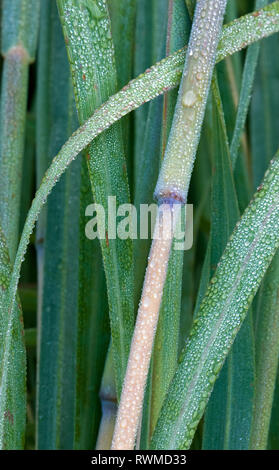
{"x": 131, "y": 402}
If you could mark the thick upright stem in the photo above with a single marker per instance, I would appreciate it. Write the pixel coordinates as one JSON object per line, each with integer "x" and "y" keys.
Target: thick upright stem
{"x": 130, "y": 406}
{"x": 184, "y": 137}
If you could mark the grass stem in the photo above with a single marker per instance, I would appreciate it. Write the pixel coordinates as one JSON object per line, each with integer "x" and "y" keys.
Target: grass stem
{"x": 184, "y": 137}
{"x": 172, "y": 186}
{"x": 130, "y": 406}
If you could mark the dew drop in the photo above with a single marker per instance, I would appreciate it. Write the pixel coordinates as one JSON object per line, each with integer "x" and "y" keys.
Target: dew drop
{"x": 189, "y": 99}
{"x": 146, "y": 302}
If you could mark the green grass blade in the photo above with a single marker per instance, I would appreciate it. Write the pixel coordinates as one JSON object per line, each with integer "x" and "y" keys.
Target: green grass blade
{"x": 245, "y": 30}
{"x": 122, "y": 14}
{"x": 273, "y": 438}
{"x": 93, "y": 328}
{"x": 229, "y": 73}
{"x": 232, "y": 399}
{"x": 267, "y": 340}
{"x": 18, "y": 46}
{"x": 142, "y": 60}
{"x": 93, "y": 324}
{"x": 42, "y": 132}
{"x": 93, "y": 338}
{"x": 28, "y": 171}
{"x": 106, "y": 161}
{"x": 159, "y": 12}
{"x": 229, "y": 76}
{"x": 58, "y": 320}
{"x": 30, "y": 336}
{"x": 19, "y": 39}
{"x": 248, "y": 76}
{"x": 12, "y": 363}
{"x": 263, "y": 113}
{"x": 123, "y": 20}
{"x": 221, "y": 314}
{"x": 81, "y": 402}
{"x": 265, "y": 100}
{"x": 28, "y": 274}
